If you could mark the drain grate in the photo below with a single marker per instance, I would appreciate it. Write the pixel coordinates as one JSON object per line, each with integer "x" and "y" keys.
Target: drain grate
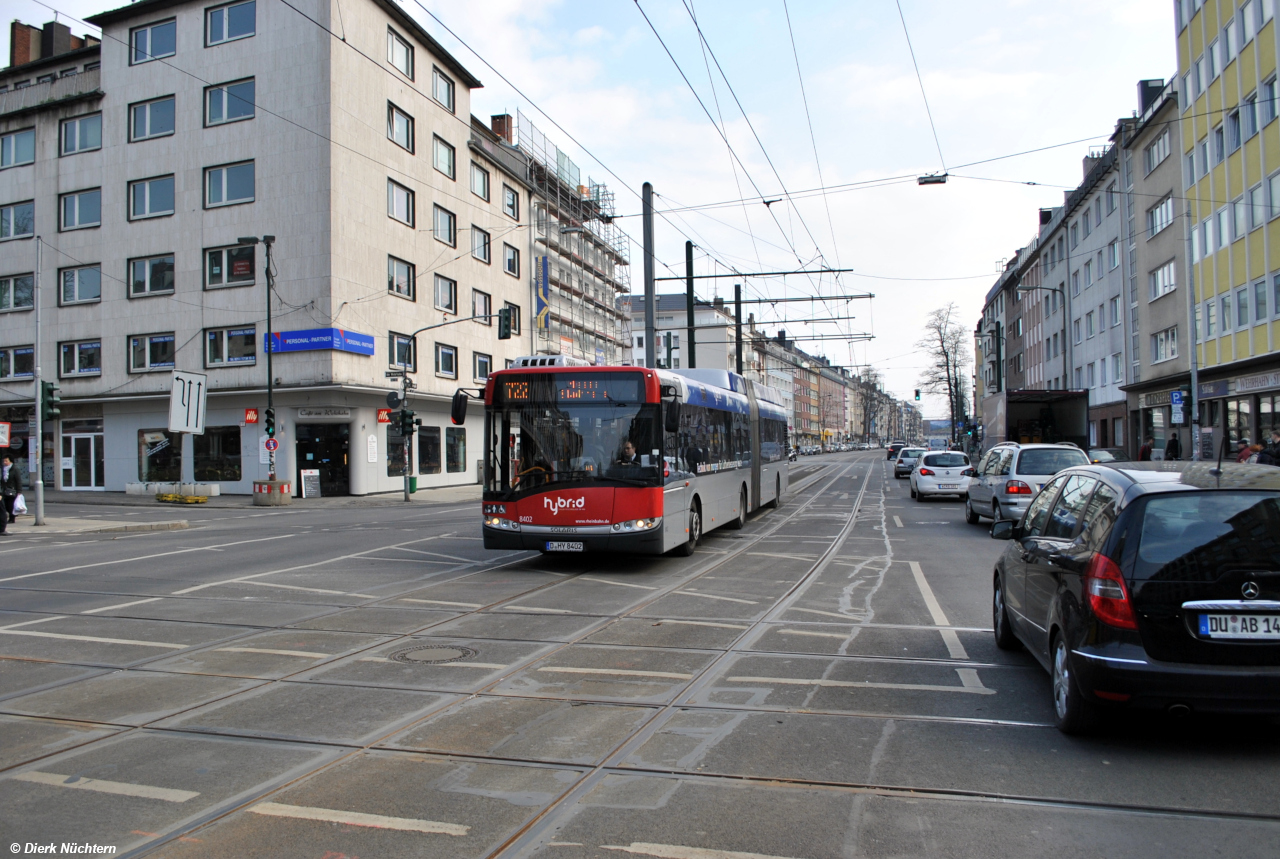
{"x": 433, "y": 654}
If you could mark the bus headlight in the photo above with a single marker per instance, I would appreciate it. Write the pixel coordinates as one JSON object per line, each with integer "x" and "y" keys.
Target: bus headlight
{"x": 637, "y": 525}
{"x": 497, "y": 522}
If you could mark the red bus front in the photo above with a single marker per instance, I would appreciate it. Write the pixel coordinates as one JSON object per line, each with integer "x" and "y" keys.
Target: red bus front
{"x": 573, "y": 460}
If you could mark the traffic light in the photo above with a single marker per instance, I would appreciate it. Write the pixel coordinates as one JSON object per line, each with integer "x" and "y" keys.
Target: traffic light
{"x": 406, "y": 423}
{"x": 271, "y": 423}
{"x": 50, "y": 401}
{"x": 504, "y": 323}
{"x": 917, "y": 395}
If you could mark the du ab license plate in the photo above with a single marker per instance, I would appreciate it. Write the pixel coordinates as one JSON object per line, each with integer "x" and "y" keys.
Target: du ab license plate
{"x": 948, "y": 485}
{"x": 563, "y": 547}
{"x": 1265, "y": 627}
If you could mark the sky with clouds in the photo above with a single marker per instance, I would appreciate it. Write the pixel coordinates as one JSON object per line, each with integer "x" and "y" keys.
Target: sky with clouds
{"x": 1001, "y": 77}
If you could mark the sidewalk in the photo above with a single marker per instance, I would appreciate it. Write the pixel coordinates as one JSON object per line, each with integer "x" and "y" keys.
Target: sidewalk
{"x": 25, "y": 526}
{"x": 423, "y": 497}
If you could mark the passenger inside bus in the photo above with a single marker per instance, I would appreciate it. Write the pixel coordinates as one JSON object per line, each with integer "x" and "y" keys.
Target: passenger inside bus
{"x": 628, "y": 456}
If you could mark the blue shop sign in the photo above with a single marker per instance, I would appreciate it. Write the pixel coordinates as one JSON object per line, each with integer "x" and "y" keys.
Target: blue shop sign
{"x": 1212, "y": 390}
{"x": 313, "y": 339}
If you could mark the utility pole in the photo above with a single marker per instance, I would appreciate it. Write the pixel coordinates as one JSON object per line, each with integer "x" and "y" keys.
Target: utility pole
{"x": 646, "y": 200}
{"x": 692, "y": 359}
{"x": 737, "y": 324}
{"x": 37, "y": 481}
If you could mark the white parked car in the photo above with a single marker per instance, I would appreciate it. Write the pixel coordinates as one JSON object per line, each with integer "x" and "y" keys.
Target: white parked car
{"x": 941, "y": 473}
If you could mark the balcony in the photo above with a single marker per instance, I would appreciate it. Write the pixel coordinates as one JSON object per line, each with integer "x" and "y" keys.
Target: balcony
{"x": 45, "y": 95}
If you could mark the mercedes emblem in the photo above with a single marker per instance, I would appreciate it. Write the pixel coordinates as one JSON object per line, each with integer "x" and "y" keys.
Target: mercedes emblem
{"x": 1250, "y": 590}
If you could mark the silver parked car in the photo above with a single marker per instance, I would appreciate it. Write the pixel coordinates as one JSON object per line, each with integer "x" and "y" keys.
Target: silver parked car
{"x": 1011, "y": 474}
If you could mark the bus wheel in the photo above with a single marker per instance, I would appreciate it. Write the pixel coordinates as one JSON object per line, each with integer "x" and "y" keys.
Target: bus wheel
{"x": 695, "y": 531}
{"x": 777, "y": 493}
{"x": 741, "y": 519}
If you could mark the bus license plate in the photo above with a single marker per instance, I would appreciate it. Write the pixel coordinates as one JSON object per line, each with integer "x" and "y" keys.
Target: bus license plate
{"x": 563, "y": 547}
{"x": 1242, "y": 626}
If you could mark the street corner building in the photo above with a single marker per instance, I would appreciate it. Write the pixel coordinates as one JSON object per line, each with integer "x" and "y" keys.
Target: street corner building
{"x": 132, "y": 167}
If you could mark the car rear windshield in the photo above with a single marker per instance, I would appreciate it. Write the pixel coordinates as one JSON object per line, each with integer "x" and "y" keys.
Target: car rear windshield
{"x": 1196, "y": 536}
{"x": 910, "y": 452}
{"x": 946, "y": 460}
{"x": 1045, "y": 460}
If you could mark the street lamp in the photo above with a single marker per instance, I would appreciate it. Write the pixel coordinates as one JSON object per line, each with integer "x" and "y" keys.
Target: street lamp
{"x": 271, "y": 411}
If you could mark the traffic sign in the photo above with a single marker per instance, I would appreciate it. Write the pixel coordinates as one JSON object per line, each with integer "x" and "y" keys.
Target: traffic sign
{"x": 384, "y": 416}
{"x": 272, "y": 444}
{"x": 4, "y": 433}
{"x": 251, "y": 416}
{"x": 187, "y": 401}
{"x": 1175, "y": 398}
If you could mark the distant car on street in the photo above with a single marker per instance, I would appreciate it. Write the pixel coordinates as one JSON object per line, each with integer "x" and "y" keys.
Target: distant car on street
{"x": 906, "y": 461}
{"x": 1108, "y": 454}
{"x": 1010, "y": 475}
{"x": 894, "y": 447}
{"x": 1147, "y": 585}
{"x": 940, "y": 474}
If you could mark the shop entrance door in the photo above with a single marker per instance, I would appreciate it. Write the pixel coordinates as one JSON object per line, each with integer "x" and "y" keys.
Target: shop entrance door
{"x": 325, "y": 447}
{"x": 82, "y": 466}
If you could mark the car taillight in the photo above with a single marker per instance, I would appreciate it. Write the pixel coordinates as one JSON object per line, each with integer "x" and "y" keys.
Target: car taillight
{"x": 968, "y": 472}
{"x": 924, "y": 472}
{"x": 1108, "y": 597}
{"x": 1016, "y": 487}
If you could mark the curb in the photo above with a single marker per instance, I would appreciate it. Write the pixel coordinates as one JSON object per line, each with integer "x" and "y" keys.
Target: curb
{"x": 172, "y": 525}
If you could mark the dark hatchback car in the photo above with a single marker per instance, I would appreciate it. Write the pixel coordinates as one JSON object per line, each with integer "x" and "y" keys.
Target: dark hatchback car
{"x": 1149, "y": 585}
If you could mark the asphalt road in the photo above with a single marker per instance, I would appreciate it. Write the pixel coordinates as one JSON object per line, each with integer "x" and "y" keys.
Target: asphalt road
{"x": 372, "y": 683}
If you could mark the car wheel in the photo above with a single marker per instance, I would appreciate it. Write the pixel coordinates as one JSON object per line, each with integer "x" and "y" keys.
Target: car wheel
{"x": 695, "y": 532}
{"x": 1072, "y": 713}
{"x": 1005, "y": 639}
{"x": 913, "y": 492}
{"x": 996, "y": 513}
{"x": 970, "y": 515}
{"x": 737, "y": 522}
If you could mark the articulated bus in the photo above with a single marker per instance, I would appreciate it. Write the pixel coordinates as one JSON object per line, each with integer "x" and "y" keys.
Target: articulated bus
{"x": 625, "y": 459}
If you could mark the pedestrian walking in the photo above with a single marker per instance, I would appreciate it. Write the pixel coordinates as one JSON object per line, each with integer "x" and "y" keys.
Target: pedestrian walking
{"x": 1144, "y": 452}
{"x": 1243, "y": 452}
{"x": 1271, "y": 453}
{"x": 1173, "y": 447}
{"x": 10, "y": 487}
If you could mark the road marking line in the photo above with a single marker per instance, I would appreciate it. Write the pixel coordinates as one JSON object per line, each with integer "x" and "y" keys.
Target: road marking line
{"x": 443, "y": 602}
{"x": 121, "y": 605}
{"x": 969, "y": 678}
{"x": 101, "y": 786}
{"x": 847, "y": 617}
{"x": 968, "y": 686}
{"x": 619, "y": 584}
{"x": 308, "y": 590}
{"x": 814, "y": 634}
{"x": 622, "y": 672}
{"x": 303, "y": 653}
{"x": 676, "y": 851}
{"x": 535, "y": 609}
{"x": 935, "y": 610}
{"x": 714, "y": 597}
{"x": 144, "y": 558}
{"x": 37, "y": 620}
{"x": 954, "y": 647}
{"x": 492, "y": 665}
{"x": 356, "y": 818}
{"x": 897, "y": 521}
{"x": 778, "y": 555}
{"x": 424, "y": 552}
{"x": 703, "y": 623}
{"x": 68, "y": 637}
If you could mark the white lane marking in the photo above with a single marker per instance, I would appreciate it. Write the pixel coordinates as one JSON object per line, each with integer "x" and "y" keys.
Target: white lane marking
{"x": 703, "y": 623}
{"x": 308, "y": 590}
{"x": 31, "y": 622}
{"x": 619, "y": 584}
{"x": 443, "y": 602}
{"x": 897, "y": 521}
{"x": 432, "y": 554}
{"x": 840, "y": 635}
{"x": 676, "y": 851}
{"x": 492, "y": 665}
{"x": 117, "y": 787}
{"x": 535, "y": 609}
{"x": 778, "y": 555}
{"x": 968, "y": 682}
{"x": 954, "y": 647}
{"x": 847, "y": 617}
{"x": 9, "y": 630}
{"x": 356, "y": 818}
{"x": 143, "y": 558}
{"x": 935, "y": 610}
{"x": 620, "y": 672}
{"x": 305, "y": 654}
{"x": 691, "y": 593}
{"x": 121, "y": 605}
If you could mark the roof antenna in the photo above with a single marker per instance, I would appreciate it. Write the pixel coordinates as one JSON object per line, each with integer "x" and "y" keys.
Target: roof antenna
{"x": 1217, "y": 472}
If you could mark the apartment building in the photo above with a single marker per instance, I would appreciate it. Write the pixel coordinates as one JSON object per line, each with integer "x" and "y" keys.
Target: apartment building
{"x": 1230, "y": 157}
{"x": 134, "y": 182}
{"x": 714, "y": 343}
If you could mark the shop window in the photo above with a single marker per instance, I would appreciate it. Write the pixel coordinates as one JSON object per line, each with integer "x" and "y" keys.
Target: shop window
{"x": 429, "y": 450}
{"x": 159, "y": 456}
{"x": 455, "y": 443}
{"x": 217, "y": 454}
{"x": 1239, "y": 420}
{"x": 396, "y": 458}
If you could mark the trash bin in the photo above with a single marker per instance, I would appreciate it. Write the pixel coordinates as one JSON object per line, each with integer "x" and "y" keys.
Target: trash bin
{"x": 413, "y": 484}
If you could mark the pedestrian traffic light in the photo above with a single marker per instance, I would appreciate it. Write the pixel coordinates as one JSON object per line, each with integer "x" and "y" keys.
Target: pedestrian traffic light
{"x": 504, "y": 323}
{"x": 271, "y": 423}
{"x": 50, "y": 401}
{"x": 917, "y": 395}
{"x": 406, "y": 423}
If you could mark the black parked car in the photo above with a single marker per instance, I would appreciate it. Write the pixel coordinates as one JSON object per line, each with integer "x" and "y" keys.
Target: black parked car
{"x": 1148, "y": 585}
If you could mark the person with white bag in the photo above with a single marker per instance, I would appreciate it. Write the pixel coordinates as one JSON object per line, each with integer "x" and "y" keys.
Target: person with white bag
{"x": 10, "y": 489}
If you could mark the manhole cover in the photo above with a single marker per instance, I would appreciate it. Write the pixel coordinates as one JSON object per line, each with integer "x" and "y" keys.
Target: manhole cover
{"x": 433, "y": 654}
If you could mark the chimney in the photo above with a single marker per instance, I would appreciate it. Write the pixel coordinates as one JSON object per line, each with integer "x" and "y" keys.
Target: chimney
{"x": 1148, "y": 92}
{"x": 55, "y": 39}
{"x": 504, "y": 126}
{"x": 718, "y": 303}
{"x": 1046, "y": 215}
{"x": 24, "y": 43}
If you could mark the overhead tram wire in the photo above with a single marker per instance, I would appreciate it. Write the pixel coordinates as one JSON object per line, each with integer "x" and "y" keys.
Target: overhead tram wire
{"x": 920, "y": 79}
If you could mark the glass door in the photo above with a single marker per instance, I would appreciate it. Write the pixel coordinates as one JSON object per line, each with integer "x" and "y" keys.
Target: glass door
{"x": 82, "y": 462}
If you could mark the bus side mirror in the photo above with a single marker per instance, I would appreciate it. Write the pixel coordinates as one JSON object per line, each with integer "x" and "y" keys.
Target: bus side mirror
{"x": 671, "y": 419}
{"x": 458, "y": 411}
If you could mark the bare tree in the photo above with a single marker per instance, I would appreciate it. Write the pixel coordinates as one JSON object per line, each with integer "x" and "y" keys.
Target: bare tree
{"x": 945, "y": 344}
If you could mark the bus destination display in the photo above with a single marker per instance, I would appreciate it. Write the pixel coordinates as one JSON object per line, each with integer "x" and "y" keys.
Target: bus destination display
{"x": 573, "y": 388}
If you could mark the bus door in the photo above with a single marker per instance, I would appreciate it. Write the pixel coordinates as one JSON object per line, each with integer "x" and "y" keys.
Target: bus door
{"x": 754, "y": 501}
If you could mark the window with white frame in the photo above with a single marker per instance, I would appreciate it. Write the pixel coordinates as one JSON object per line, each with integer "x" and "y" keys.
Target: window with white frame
{"x": 225, "y": 347}
{"x": 1275, "y": 295}
{"x": 1230, "y": 42}
{"x": 83, "y": 358}
{"x": 1211, "y": 318}
{"x": 479, "y": 181}
{"x": 1091, "y": 374}
{"x": 230, "y": 266}
{"x": 400, "y": 204}
{"x": 1112, "y": 195}
{"x": 1224, "y": 314}
{"x": 228, "y": 184}
{"x": 1088, "y": 273}
{"x": 151, "y": 275}
{"x": 1117, "y": 369}
{"x": 1260, "y": 301}
{"x": 153, "y": 42}
{"x": 400, "y": 53}
{"x": 1219, "y": 150}
{"x": 150, "y": 119}
{"x": 511, "y": 260}
{"x": 81, "y": 134}
{"x": 228, "y": 23}
{"x": 229, "y": 102}
{"x": 442, "y": 89}
{"x": 1075, "y": 282}
{"x": 399, "y": 127}
{"x": 18, "y": 147}
{"x": 446, "y": 361}
{"x": 80, "y": 285}
{"x": 1257, "y": 207}
{"x": 1239, "y": 219}
{"x": 480, "y": 244}
{"x": 149, "y": 352}
{"x": 400, "y": 277}
{"x": 1203, "y": 155}
{"x": 17, "y": 220}
{"x": 80, "y": 209}
{"x": 1089, "y": 325}
{"x": 1242, "y": 308}
{"x": 1248, "y": 21}
{"x": 482, "y": 307}
{"x": 402, "y": 351}
{"x": 1234, "y": 136}
{"x": 1267, "y": 102}
{"x": 446, "y": 291}
{"x": 17, "y": 362}
{"x": 17, "y": 292}
{"x": 1075, "y": 330}
{"x": 1115, "y": 311}
{"x": 514, "y": 310}
{"x": 445, "y": 226}
{"x": 1164, "y": 345}
{"x": 1159, "y": 216}
{"x": 1161, "y": 281}
{"x": 510, "y": 202}
{"x": 1079, "y": 377}
{"x": 1249, "y": 115}
{"x": 150, "y": 198}
{"x": 1222, "y": 229}
{"x": 1197, "y": 76}
{"x": 1088, "y": 227}
{"x": 1211, "y": 59}
{"x": 482, "y": 365}
{"x": 1113, "y": 255}
{"x": 443, "y": 157}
